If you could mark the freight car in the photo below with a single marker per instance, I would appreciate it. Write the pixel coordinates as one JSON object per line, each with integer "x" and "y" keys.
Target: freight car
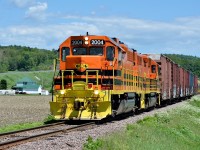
{"x": 176, "y": 82}
{"x": 100, "y": 77}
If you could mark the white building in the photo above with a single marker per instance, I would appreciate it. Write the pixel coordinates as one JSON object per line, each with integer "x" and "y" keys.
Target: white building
{"x": 27, "y": 86}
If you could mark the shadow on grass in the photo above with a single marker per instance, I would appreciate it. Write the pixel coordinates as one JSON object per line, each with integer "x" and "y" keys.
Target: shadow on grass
{"x": 50, "y": 119}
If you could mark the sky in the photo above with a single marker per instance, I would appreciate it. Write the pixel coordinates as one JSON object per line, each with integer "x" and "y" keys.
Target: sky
{"x": 149, "y": 26}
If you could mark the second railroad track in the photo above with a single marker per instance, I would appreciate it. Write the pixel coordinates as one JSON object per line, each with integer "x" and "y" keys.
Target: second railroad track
{"x": 15, "y": 138}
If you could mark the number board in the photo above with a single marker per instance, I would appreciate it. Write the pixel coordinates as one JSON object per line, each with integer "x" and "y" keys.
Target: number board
{"x": 97, "y": 42}
{"x": 77, "y": 42}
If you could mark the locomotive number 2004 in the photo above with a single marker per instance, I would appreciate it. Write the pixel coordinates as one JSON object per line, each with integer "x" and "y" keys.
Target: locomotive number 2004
{"x": 97, "y": 42}
{"x": 77, "y": 42}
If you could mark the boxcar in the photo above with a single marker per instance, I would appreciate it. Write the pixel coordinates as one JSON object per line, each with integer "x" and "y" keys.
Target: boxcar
{"x": 165, "y": 75}
{"x": 182, "y": 83}
{"x": 175, "y": 80}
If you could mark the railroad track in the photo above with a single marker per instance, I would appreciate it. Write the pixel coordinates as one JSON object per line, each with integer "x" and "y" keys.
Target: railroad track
{"x": 15, "y": 138}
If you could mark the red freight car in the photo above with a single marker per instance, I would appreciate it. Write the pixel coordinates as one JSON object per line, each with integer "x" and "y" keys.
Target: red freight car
{"x": 166, "y": 75}
{"x": 182, "y": 83}
{"x": 175, "y": 80}
{"x": 186, "y": 80}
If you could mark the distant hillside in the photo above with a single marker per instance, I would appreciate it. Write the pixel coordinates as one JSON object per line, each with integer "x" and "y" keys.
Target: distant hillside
{"x": 190, "y": 63}
{"x": 43, "y": 78}
{"x": 23, "y": 58}
{"x": 27, "y": 62}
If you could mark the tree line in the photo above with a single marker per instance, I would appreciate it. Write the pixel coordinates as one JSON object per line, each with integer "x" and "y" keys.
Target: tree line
{"x": 21, "y": 58}
{"x": 190, "y": 63}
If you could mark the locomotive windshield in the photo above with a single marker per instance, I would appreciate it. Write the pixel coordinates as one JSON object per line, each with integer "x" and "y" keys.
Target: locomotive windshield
{"x": 90, "y": 51}
{"x": 96, "y": 51}
{"x": 79, "y": 51}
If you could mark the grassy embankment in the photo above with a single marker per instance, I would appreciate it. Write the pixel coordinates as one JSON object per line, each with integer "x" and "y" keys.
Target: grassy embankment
{"x": 44, "y": 76}
{"x": 177, "y": 129}
{"x": 21, "y": 126}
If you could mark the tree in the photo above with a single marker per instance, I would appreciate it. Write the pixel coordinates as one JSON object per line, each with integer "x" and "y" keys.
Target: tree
{"x": 3, "y": 84}
{"x": 3, "y": 66}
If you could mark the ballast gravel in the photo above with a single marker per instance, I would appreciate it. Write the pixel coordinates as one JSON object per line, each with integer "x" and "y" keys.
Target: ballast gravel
{"x": 75, "y": 140}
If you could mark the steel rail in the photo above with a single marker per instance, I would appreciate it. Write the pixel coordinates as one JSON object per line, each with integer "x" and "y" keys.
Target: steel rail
{"x": 29, "y": 129}
{"x": 11, "y": 143}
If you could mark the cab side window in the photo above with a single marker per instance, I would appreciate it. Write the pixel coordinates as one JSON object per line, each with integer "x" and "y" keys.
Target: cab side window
{"x": 110, "y": 52}
{"x": 119, "y": 57}
{"x": 65, "y": 52}
{"x": 153, "y": 68}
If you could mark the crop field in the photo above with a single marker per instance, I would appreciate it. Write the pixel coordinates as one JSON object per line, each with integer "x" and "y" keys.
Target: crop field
{"x": 23, "y": 109}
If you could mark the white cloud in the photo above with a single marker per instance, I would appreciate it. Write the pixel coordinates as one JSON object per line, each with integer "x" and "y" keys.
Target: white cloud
{"x": 37, "y": 11}
{"x": 22, "y": 3}
{"x": 34, "y": 9}
{"x": 180, "y": 36}
{"x": 39, "y": 7}
{"x": 48, "y": 36}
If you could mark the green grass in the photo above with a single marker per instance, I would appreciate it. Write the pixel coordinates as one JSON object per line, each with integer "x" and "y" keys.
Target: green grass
{"x": 13, "y": 76}
{"x": 20, "y": 126}
{"x": 49, "y": 119}
{"x": 195, "y": 101}
{"x": 177, "y": 129}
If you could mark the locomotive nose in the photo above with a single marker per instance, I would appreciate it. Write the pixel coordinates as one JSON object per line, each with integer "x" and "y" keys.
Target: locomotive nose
{"x": 81, "y": 67}
{"x": 82, "y": 64}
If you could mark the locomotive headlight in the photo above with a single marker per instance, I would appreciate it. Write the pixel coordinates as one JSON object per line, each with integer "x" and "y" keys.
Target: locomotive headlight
{"x": 86, "y": 42}
{"x": 86, "y": 38}
{"x": 62, "y": 92}
{"x": 96, "y": 92}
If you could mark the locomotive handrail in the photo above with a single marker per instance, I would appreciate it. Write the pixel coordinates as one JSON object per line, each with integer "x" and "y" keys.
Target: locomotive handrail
{"x": 113, "y": 77}
{"x": 97, "y": 76}
{"x": 72, "y": 78}
{"x": 129, "y": 77}
{"x": 154, "y": 86}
